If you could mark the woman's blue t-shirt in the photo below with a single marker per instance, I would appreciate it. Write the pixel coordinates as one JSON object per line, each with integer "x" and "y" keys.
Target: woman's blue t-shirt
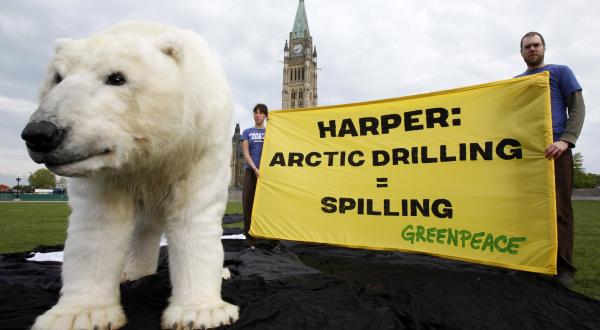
{"x": 255, "y": 137}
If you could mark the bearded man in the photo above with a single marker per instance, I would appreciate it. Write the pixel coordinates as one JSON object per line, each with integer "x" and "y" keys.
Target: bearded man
{"x": 568, "y": 112}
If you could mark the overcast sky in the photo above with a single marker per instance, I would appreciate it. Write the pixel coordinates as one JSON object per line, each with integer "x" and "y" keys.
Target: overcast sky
{"x": 367, "y": 50}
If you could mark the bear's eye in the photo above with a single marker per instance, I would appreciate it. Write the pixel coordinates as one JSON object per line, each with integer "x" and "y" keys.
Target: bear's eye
{"x": 57, "y": 78}
{"x": 115, "y": 79}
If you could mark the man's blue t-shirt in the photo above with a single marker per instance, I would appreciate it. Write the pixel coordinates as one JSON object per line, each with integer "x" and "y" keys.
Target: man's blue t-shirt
{"x": 562, "y": 84}
{"x": 255, "y": 137}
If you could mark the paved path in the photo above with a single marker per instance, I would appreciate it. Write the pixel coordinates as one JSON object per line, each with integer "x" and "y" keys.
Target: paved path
{"x": 579, "y": 198}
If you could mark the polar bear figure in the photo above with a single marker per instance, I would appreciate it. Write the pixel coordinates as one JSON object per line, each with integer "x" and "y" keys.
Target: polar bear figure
{"x": 139, "y": 118}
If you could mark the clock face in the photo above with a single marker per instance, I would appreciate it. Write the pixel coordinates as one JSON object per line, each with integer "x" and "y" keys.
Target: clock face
{"x": 297, "y": 49}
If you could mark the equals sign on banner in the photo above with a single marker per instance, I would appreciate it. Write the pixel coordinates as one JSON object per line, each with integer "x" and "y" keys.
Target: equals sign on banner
{"x": 382, "y": 182}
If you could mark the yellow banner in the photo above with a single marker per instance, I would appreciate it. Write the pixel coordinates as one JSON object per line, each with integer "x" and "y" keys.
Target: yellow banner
{"x": 459, "y": 174}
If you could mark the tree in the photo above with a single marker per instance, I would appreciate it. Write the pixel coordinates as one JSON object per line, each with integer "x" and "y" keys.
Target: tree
{"x": 596, "y": 179}
{"x": 578, "y": 161}
{"x": 23, "y": 189}
{"x": 61, "y": 182}
{"x": 42, "y": 179}
{"x": 583, "y": 179}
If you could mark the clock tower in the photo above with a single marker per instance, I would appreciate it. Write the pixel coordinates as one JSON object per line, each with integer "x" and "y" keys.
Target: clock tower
{"x": 299, "y": 65}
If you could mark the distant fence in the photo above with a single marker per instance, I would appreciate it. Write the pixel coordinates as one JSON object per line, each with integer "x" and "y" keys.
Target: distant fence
{"x": 43, "y": 197}
{"x": 8, "y": 196}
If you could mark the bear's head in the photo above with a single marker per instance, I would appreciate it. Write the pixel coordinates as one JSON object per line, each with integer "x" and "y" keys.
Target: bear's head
{"x": 139, "y": 93}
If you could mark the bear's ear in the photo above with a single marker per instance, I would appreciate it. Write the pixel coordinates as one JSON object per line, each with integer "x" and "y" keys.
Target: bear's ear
{"x": 60, "y": 44}
{"x": 171, "y": 44}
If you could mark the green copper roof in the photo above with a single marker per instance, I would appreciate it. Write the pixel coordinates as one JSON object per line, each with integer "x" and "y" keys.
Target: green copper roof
{"x": 300, "y": 29}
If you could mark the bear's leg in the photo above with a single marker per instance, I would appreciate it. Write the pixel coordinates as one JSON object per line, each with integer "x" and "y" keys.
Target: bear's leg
{"x": 142, "y": 259}
{"x": 196, "y": 261}
{"x": 100, "y": 227}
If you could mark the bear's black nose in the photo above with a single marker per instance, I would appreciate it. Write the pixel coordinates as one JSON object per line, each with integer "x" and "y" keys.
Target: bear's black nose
{"x": 42, "y": 136}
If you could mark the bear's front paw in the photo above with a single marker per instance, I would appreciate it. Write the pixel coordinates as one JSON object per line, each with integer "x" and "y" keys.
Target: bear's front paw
{"x": 199, "y": 316}
{"x": 79, "y": 318}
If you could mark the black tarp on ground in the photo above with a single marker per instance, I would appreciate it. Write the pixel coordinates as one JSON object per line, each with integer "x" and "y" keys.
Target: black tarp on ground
{"x": 321, "y": 287}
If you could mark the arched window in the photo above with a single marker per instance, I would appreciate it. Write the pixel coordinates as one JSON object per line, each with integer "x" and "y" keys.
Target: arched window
{"x": 302, "y": 74}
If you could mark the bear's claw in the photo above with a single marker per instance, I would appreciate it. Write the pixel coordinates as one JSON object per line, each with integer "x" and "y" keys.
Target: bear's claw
{"x": 200, "y": 316}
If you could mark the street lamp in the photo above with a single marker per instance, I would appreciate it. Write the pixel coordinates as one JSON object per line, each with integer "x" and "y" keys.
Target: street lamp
{"x": 18, "y": 180}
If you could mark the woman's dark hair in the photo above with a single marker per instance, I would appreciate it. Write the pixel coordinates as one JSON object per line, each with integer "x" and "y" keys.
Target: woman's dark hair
{"x": 262, "y": 108}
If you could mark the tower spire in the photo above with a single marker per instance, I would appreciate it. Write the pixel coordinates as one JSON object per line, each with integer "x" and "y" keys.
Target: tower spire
{"x": 300, "y": 29}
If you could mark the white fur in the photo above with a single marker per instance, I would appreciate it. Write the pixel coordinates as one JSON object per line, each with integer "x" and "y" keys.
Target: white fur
{"x": 146, "y": 157}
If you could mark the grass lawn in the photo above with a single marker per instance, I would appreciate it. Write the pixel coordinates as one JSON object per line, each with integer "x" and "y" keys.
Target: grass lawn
{"x": 587, "y": 247}
{"x": 24, "y": 226}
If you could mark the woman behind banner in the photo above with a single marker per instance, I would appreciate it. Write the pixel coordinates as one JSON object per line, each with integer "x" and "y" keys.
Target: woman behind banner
{"x": 252, "y": 144}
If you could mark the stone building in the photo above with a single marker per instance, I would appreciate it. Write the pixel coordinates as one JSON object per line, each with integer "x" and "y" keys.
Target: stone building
{"x": 237, "y": 160}
{"x": 299, "y": 65}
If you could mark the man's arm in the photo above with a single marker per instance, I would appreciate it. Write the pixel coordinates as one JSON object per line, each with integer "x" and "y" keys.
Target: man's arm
{"x": 576, "y": 110}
